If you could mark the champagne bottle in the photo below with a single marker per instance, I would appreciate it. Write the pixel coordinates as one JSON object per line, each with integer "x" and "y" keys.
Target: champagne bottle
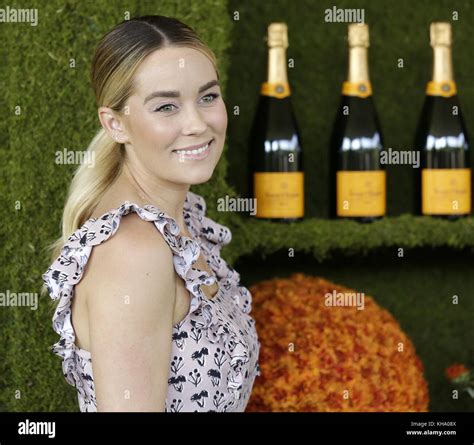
{"x": 444, "y": 182}
{"x": 358, "y": 179}
{"x": 276, "y": 154}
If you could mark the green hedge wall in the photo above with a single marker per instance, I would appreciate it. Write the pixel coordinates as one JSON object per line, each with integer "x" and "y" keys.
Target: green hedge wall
{"x": 58, "y": 111}
{"x": 325, "y": 238}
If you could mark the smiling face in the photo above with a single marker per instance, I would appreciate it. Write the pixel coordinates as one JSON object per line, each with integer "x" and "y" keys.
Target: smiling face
{"x": 176, "y": 105}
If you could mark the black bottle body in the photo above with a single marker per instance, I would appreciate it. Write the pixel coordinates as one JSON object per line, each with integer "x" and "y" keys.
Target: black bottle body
{"x": 275, "y": 147}
{"x": 443, "y": 143}
{"x": 356, "y": 145}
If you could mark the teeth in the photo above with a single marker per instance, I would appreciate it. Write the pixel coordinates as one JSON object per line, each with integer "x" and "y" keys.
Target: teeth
{"x": 194, "y": 151}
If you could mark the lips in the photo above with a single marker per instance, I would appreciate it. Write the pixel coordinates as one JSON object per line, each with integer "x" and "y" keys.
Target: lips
{"x": 197, "y": 152}
{"x": 194, "y": 147}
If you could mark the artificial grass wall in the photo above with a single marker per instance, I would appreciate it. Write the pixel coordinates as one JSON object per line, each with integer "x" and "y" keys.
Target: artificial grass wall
{"x": 324, "y": 238}
{"x": 58, "y": 111}
{"x": 3, "y": 213}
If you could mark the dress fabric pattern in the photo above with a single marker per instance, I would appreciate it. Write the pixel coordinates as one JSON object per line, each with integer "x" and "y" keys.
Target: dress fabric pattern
{"x": 215, "y": 348}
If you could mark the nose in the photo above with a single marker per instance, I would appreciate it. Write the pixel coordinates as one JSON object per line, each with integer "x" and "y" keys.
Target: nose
{"x": 193, "y": 122}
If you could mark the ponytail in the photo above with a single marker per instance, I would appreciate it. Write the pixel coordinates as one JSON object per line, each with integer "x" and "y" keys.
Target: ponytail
{"x": 88, "y": 185}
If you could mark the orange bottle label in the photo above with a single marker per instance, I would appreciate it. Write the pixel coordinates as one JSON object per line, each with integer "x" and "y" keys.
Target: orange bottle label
{"x": 446, "y": 191}
{"x": 279, "y": 194}
{"x": 361, "y": 193}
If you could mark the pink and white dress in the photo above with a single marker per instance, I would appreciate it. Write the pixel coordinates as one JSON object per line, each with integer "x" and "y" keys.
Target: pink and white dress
{"x": 215, "y": 348}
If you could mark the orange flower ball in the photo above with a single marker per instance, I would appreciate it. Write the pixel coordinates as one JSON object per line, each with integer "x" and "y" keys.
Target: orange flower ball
{"x": 318, "y": 357}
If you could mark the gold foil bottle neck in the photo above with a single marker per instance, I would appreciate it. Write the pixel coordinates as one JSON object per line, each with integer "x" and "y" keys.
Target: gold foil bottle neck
{"x": 440, "y": 34}
{"x": 358, "y": 35}
{"x": 277, "y": 35}
{"x": 442, "y": 81}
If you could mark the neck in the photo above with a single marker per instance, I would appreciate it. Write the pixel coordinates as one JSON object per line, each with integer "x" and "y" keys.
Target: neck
{"x": 442, "y": 64}
{"x": 358, "y": 65}
{"x": 277, "y": 65}
{"x": 148, "y": 189}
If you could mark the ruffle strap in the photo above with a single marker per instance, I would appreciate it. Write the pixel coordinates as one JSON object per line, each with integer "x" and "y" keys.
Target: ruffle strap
{"x": 212, "y": 238}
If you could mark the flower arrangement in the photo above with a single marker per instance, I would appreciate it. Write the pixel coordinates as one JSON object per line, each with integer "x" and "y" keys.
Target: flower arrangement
{"x": 317, "y": 357}
{"x": 461, "y": 377}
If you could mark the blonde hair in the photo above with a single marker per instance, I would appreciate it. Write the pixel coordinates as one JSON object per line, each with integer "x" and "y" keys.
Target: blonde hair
{"x": 116, "y": 60}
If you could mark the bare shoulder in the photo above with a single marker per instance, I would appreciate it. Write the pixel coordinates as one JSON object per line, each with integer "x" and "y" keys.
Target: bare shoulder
{"x": 137, "y": 246}
{"x": 130, "y": 303}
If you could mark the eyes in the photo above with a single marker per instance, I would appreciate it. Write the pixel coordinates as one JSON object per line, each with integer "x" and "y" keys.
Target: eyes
{"x": 167, "y": 108}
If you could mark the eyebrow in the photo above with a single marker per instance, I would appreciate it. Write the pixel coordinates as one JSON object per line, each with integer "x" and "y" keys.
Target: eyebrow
{"x": 205, "y": 87}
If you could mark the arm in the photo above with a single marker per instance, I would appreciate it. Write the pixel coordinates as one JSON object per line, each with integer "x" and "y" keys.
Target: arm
{"x": 130, "y": 308}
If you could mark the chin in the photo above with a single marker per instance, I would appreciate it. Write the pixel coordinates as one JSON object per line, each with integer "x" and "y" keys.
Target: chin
{"x": 195, "y": 178}
{"x": 199, "y": 173}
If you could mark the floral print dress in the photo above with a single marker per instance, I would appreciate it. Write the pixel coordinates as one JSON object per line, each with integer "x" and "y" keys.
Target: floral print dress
{"x": 215, "y": 348}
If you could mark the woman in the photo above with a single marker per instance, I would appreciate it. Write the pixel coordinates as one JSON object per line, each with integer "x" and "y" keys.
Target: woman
{"x": 150, "y": 317}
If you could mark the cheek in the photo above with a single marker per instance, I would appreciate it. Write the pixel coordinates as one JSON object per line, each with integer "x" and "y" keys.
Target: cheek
{"x": 218, "y": 119}
{"x": 152, "y": 130}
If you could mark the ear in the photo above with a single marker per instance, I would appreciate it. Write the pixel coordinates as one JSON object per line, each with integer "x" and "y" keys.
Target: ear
{"x": 112, "y": 123}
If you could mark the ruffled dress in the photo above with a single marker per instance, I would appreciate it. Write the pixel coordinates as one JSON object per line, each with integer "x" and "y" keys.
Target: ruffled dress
{"x": 215, "y": 348}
